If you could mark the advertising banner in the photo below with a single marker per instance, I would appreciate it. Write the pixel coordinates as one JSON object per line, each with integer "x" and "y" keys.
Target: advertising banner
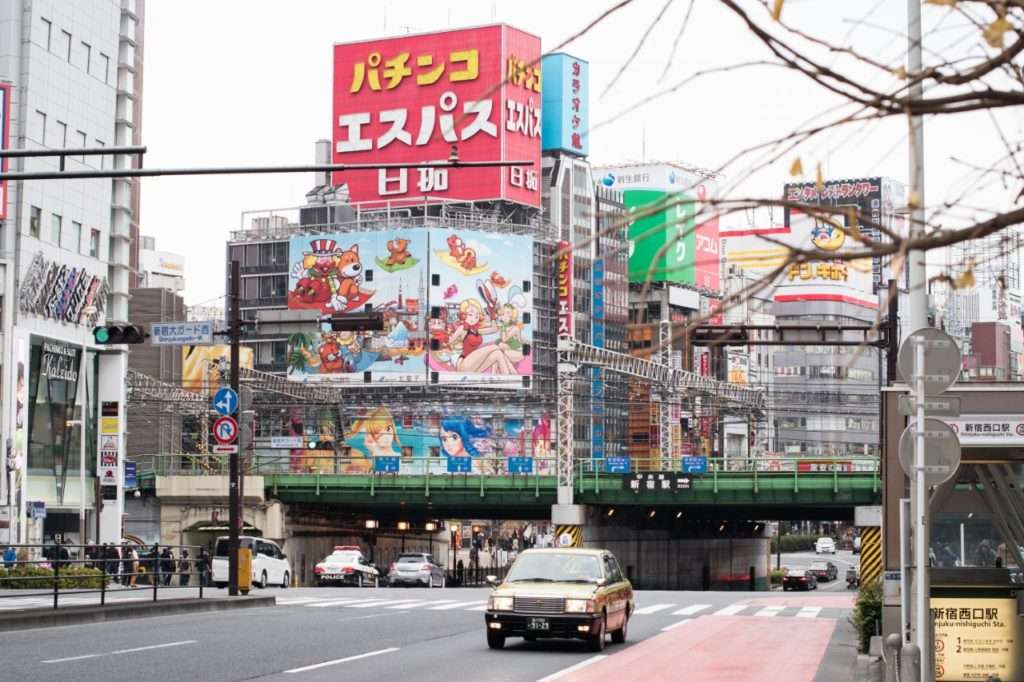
{"x": 5, "y": 123}
{"x": 665, "y": 242}
{"x": 65, "y": 294}
{"x": 413, "y": 98}
{"x": 200, "y": 366}
{"x": 566, "y": 122}
{"x": 481, "y": 307}
{"x": 382, "y": 272}
{"x": 565, "y": 289}
{"x": 107, "y": 467}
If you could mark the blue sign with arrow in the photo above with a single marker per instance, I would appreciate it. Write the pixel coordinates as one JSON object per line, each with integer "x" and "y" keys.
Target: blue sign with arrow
{"x": 225, "y": 401}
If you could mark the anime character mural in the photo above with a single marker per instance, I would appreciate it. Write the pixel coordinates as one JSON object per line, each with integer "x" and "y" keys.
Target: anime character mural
{"x": 375, "y": 435}
{"x": 485, "y": 333}
{"x": 461, "y": 442}
{"x": 330, "y": 278}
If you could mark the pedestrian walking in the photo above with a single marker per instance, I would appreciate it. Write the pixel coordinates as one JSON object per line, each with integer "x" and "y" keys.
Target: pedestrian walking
{"x": 184, "y": 568}
{"x": 10, "y": 557}
{"x": 167, "y": 566}
{"x": 474, "y": 557}
{"x": 127, "y": 566}
{"x": 201, "y": 567}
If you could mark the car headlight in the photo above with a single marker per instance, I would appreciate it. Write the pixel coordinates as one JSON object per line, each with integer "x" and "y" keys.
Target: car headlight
{"x": 500, "y": 603}
{"x": 579, "y": 606}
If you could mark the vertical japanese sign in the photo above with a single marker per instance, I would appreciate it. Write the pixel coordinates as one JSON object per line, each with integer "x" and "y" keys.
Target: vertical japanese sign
{"x": 565, "y": 313}
{"x": 977, "y": 639}
{"x": 597, "y": 380}
{"x": 5, "y": 122}
{"x": 412, "y": 98}
{"x": 110, "y": 430}
{"x": 566, "y": 104}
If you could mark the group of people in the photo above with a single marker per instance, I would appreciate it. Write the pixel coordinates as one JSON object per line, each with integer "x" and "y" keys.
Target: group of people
{"x": 125, "y": 564}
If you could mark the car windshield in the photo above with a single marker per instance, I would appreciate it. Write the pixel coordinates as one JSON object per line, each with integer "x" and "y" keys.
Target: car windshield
{"x": 344, "y": 557}
{"x": 555, "y": 568}
{"x": 819, "y": 566}
{"x": 411, "y": 560}
{"x": 825, "y": 541}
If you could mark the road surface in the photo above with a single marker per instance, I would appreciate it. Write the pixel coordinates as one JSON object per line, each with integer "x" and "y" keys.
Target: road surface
{"x": 843, "y": 559}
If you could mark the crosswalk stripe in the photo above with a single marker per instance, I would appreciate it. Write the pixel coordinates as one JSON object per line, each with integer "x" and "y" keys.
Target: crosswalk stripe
{"x": 808, "y": 612}
{"x": 691, "y": 609}
{"x": 730, "y": 610}
{"x": 300, "y": 600}
{"x": 335, "y": 602}
{"x": 769, "y": 611}
{"x": 406, "y": 604}
{"x": 482, "y": 607}
{"x": 654, "y": 608}
{"x": 431, "y": 604}
{"x": 372, "y": 603}
{"x": 456, "y": 605}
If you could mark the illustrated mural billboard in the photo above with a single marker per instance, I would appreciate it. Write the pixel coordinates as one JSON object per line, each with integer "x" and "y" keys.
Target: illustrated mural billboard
{"x": 481, "y": 307}
{"x": 382, "y": 271}
{"x": 410, "y": 98}
{"x": 200, "y": 366}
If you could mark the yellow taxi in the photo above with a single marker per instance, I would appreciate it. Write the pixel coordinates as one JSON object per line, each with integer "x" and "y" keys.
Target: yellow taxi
{"x": 564, "y": 593}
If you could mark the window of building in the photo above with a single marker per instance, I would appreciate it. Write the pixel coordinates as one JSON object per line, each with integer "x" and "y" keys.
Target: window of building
{"x": 45, "y": 31}
{"x": 87, "y": 56}
{"x": 56, "y": 229}
{"x": 76, "y": 236}
{"x": 39, "y": 123}
{"x": 105, "y": 65}
{"x": 103, "y": 159}
{"x": 273, "y": 287}
{"x": 94, "y": 243}
{"x": 62, "y": 134}
{"x": 35, "y": 219}
{"x": 65, "y": 45}
{"x": 82, "y": 141}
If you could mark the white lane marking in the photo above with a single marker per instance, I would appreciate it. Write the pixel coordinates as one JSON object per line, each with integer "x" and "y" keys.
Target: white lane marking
{"x": 370, "y": 604}
{"x": 572, "y": 668}
{"x": 300, "y": 600}
{"x": 341, "y": 660}
{"x": 769, "y": 611}
{"x": 431, "y": 604}
{"x": 482, "y": 607}
{"x": 730, "y": 610}
{"x": 152, "y": 646}
{"x": 654, "y": 608}
{"x": 684, "y": 621}
{"x": 809, "y": 612}
{"x": 450, "y": 607}
{"x": 408, "y": 605}
{"x": 336, "y": 602}
{"x": 691, "y": 609}
{"x": 70, "y": 658}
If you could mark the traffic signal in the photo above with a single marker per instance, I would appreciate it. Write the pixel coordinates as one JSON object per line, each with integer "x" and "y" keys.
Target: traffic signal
{"x": 113, "y": 334}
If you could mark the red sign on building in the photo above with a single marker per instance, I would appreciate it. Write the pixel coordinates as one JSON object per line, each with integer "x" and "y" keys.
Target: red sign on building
{"x": 411, "y": 98}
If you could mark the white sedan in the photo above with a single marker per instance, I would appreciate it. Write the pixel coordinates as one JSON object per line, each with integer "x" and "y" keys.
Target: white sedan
{"x": 825, "y": 546}
{"x": 346, "y": 566}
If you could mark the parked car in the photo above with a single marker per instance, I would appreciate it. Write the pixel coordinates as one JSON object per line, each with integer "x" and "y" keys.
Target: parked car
{"x": 799, "y": 580}
{"x": 561, "y": 593}
{"x": 269, "y": 564}
{"x": 824, "y": 571}
{"x": 825, "y": 546}
{"x": 416, "y": 568}
{"x": 346, "y": 566}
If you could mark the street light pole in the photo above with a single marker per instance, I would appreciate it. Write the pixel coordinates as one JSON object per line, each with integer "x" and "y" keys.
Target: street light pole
{"x": 234, "y": 492}
{"x": 917, "y": 314}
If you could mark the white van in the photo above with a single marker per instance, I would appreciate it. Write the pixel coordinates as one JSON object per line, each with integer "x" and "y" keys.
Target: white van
{"x": 269, "y": 564}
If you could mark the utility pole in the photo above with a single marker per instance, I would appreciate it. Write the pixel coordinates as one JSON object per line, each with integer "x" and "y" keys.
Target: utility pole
{"x": 917, "y": 315}
{"x": 234, "y": 491}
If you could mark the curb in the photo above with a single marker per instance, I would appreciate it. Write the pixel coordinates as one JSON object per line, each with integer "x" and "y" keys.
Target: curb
{"x": 78, "y": 615}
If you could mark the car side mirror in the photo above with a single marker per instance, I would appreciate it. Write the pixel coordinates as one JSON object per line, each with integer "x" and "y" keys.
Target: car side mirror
{"x": 284, "y": 556}
{"x": 492, "y": 580}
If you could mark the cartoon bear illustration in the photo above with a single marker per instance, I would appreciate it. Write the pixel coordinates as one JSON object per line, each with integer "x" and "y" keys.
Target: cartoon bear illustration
{"x": 349, "y": 272}
{"x": 456, "y": 246}
{"x": 331, "y": 361}
{"x": 399, "y": 252}
{"x": 310, "y": 291}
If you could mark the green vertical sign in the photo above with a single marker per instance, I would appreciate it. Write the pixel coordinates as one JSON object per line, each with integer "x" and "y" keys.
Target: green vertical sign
{"x": 663, "y": 235}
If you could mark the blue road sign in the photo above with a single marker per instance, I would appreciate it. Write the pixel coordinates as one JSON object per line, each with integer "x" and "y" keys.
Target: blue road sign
{"x": 385, "y": 465}
{"x": 225, "y": 401}
{"x": 460, "y": 465}
{"x": 617, "y": 465}
{"x": 131, "y": 476}
{"x": 520, "y": 465}
{"x": 695, "y": 465}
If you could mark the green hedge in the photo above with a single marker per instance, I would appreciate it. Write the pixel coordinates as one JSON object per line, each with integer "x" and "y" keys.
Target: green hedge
{"x": 72, "y": 577}
{"x": 776, "y": 576}
{"x": 796, "y": 543}
{"x": 866, "y": 613}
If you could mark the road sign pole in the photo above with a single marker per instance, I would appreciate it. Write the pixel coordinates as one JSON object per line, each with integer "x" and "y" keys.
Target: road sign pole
{"x": 920, "y": 490}
{"x": 234, "y": 496}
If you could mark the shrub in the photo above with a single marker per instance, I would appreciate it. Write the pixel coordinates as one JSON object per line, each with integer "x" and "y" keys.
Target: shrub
{"x": 72, "y": 577}
{"x": 776, "y": 576}
{"x": 795, "y": 543}
{"x": 866, "y": 613}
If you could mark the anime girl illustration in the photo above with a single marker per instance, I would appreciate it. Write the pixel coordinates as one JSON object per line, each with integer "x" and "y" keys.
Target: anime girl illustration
{"x": 458, "y": 437}
{"x": 499, "y": 357}
{"x": 380, "y": 439}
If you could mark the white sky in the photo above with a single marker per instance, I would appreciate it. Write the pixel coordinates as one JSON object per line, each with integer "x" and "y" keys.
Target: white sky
{"x": 249, "y": 83}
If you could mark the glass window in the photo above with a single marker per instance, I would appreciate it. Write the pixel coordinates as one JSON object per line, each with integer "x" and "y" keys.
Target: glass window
{"x": 39, "y": 123}
{"x": 35, "y": 219}
{"x": 94, "y": 243}
{"x": 45, "y": 32}
{"x": 65, "y": 45}
{"x": 76, "y": 236}
{"x": 105, "y": 65}
{"x": 87, "y": 54}
{"x": 62, "y": 134}
{"x": 56, "y": 229}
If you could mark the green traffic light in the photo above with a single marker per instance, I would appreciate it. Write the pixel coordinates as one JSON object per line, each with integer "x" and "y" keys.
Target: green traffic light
{"x": 102, "y": 334}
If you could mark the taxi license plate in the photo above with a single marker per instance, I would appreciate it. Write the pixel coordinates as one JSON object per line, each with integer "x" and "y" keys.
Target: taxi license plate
{"x": 538, "y": 624}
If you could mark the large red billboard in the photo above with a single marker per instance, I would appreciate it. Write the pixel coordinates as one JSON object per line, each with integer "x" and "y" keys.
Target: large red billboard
{"x": 410, "y": 98}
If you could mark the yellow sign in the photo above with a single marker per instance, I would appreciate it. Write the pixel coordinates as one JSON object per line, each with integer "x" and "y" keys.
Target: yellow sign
{"x": 977, "y": 639}
{"x": 108, "y": 426}
{"x": 200, "y": 366}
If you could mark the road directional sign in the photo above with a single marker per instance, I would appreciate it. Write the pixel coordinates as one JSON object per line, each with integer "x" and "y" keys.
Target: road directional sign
{"x": 181, "y": 333}
{"x": 942, "y": 360}
{"x": 225, "y": 401}
{"x": 225, "y": 430}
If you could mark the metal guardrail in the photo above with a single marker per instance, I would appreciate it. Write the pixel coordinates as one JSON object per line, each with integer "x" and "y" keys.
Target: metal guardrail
{"x": 33, "y": 570}
{"x": 474, "y": 576}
